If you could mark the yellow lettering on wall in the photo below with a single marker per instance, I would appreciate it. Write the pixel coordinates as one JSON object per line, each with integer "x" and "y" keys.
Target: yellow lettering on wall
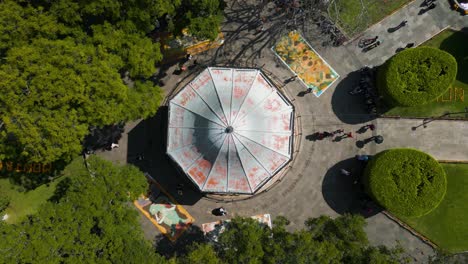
{"x": 28, "y": 167}
{"x": 444, "y": 98}
{"x": 46, "y": 168}
{"x": 37, "y": 167}
{"x": 18, "y": 167}
{"x": 9, "y": 165}
{"x": 459, "y": 94}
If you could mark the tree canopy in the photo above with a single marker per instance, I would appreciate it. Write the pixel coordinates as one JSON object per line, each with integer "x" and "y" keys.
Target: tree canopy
{"x": 325, "y": 240}
{"x": 407, "y": 182}
{"x": 63, "y": 64}
{"x": 416, "y": 76}
{"x": 87, "y": 221}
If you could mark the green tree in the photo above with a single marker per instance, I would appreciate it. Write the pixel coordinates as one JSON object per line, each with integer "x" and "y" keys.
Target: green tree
{"x": 416, "y": 76}
{"x": 137, "y": 52}
{"x": 201, "y": 254}
{"x": 325, "y": 240}
{"x": 53, "y": 90}
{"x": 90, "y": 223}
{"x": 202, "y": 17}
{"x": 129, "y": 15}
{"x": 242, "y": 241}
{"x": 406, "y": 182}
{"x": 20, "y": 25}
{"x": 347, "y": 234}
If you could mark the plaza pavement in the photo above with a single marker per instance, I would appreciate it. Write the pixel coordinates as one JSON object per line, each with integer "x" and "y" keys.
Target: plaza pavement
{"x": 418, "y": 29}
{"x": 313, "y": 186}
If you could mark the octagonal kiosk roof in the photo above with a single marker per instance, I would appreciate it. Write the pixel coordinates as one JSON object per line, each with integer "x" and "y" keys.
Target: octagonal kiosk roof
{"x": 230, "y": 130}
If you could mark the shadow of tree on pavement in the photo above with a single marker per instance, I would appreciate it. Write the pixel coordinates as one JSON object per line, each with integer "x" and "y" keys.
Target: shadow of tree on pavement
{"x": 350, "y": 109}
{"x": 147, "y": 151}
{"x": 345, "y": 193}
{"x": 181, "y": 246}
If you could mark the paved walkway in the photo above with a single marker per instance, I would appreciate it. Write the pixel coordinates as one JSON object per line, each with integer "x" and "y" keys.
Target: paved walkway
{"x": 419, "y": 29}
{"x": 443, "y": 139}
{"x": 313, "y": 186}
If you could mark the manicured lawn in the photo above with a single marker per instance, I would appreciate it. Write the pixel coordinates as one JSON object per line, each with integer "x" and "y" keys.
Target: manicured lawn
{"x": 354, "y": 20}
{"x": 447, "y": 225}
{"x": 454, "y": 100}
{"x": 25, "y": 203}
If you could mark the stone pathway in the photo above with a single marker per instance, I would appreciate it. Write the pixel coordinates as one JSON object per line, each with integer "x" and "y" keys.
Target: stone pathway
{"x": 443, "y": 139}
{"x": 419, "y": 29}
{"x": 313, "y": 186}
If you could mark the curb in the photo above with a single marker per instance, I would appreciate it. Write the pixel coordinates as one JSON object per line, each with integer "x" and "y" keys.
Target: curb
{"x": 410, "y": 229}
{"x": 423, "y": 118}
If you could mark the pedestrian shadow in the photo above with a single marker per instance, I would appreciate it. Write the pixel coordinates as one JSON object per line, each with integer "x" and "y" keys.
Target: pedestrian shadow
{"x": 147, "y": 151}
{"x": 364, "y": 142}
{"x": 345, "y": 193}
{"x": 180, "y": 247}
{"x": 301, "y": 94}
{"x": 316, "y": 136}
{"x": 350, "y": 109}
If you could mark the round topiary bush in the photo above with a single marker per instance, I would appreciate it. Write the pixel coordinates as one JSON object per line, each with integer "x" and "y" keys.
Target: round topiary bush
{"x": 407, "y": 182}
{"x": 416, "y": 76}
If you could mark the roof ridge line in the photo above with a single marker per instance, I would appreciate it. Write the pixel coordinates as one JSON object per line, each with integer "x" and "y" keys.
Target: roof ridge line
{"x": 243, "y": 101}
{"x": 217, "y": 96}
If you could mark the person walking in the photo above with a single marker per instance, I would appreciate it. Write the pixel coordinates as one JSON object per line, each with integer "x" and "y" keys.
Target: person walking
{"x": 292, "y": 79}
{"x": 220, "y": 211}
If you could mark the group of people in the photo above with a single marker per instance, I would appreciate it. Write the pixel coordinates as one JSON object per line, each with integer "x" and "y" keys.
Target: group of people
{"x": 326, "y": 134}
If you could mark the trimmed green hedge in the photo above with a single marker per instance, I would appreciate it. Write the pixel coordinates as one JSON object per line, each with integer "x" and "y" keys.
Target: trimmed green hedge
{"x": 407, "y": 182}
{"x": 416, "y": 76}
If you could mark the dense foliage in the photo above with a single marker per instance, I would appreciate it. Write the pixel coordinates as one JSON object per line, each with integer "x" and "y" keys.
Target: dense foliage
{"x": 325, "y": 240}
{"x": 88, "y": 220}
{"x": 407, "y": 182}
{"x": 416, "y": 76}
{"x": 63, "y": 65}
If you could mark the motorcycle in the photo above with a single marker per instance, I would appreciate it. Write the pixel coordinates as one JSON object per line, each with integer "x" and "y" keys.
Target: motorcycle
{"x": 372, "y": 46}
{"x": 367, "y": 41}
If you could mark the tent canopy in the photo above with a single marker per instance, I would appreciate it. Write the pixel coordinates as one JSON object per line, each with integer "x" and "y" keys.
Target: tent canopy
{"x": 230, "y": 130}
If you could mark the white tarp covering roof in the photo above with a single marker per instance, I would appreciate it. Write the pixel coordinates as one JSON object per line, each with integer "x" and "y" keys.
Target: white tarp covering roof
{"x": 230, "y": 130}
